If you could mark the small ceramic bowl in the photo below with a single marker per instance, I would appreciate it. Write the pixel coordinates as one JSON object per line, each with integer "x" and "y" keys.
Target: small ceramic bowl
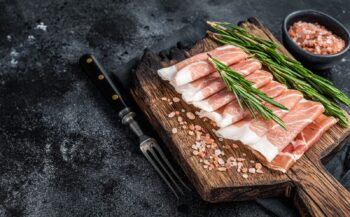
{"x": 311, "y": 60}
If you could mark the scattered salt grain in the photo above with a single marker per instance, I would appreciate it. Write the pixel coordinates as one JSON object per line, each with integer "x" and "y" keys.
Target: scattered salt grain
{"x": 9, "y": 38}
{"x": 221, "y": 161}
{"x": 251, "y": 170}
{"x": 164, "y": 98}
{"x": 176, "y": 99}
{"x": 191, "y": 133}
{"x": 245, "y": 176}
{"x": 217, "y": 152}
{"x": 174, "y": 130}
{"x": 171, "y": 114}
{"x": 258, "y": 166}
{"x": 190, "y": 115}
{"x": 182, "y": 110}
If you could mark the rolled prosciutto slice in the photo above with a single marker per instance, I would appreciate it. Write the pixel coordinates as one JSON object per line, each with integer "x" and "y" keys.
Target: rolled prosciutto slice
{"x": 258, "y": 134}
{"x": 169, "y": 72}
{"x": 232, "y": 112}
{"x": 216, "y": 101}
{"x": 304, "y": 140}
{"x": 202, "y": 68}
{"x": 207, "y": 86}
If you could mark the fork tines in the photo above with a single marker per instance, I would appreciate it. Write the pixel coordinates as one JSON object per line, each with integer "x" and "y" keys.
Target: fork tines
{"x": 156, "y": 157}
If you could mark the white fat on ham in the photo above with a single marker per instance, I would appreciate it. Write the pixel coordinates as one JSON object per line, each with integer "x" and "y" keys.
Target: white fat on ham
{"x": 305, "y": 139}
{"x": 207, "y": 86}
{"x": 169, "y": 72}
{"x": 222, "y": 98}
{"x": 215, "y": 101}
{"x": 202, "y": 68}
{"x": 232, "y": 112}
{"x": 256, "y": 132}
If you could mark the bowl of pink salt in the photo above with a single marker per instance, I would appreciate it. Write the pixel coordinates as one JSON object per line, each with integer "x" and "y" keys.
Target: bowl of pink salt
{"x": 315, "y": 38}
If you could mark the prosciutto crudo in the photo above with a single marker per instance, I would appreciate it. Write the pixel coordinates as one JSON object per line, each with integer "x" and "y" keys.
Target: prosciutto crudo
{"x": 199, "y": 84}
{"x": 216, "y": 101}
{"x": 212, "y": 83}
{"x": 232, "y": 112}
{"x": 256, "y": 133}
{"x": 307, "y": 138}
{"x": 202, "y": 68}
{"x": 169, "y": 72}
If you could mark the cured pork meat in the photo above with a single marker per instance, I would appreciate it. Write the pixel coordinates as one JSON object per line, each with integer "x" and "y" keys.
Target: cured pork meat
{"x": 232, "y": 112}
{"x": 304, "y": 113}
{"x": 199, "y": 84}
{"x": 211, "y": 84}
{"x": 169, "y": 72}
{"x": 216, "y": 101}
{"x": 202, "y": 68}
{"x": 259, "y": 134}
{"x": 304, "y": 140}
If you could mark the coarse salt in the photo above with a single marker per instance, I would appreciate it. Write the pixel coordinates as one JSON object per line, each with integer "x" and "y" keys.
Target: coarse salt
{"x": 217, "y": 152}
{"x": 251, "y": 170}
{"x": 176, "y": 99}
{"x": 174, "y": 130}
{"x": 171, "y": 114}
{"x": 190, "y": 115}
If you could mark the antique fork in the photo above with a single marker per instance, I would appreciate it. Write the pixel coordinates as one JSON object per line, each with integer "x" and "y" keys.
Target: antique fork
{"x": 149, "y": 146}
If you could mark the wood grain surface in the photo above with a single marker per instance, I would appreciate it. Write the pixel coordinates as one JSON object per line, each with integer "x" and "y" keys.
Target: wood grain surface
{"x": 314, "y": 191}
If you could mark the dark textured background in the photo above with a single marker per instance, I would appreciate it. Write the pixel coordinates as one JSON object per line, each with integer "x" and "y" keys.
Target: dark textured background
{"x": 62, "y": 150}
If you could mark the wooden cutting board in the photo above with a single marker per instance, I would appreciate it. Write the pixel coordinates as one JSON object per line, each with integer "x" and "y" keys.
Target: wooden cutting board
{"x": 314, "y": 191}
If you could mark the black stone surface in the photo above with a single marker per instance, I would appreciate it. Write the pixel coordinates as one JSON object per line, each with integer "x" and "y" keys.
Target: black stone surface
{"x": 62, "y": 150}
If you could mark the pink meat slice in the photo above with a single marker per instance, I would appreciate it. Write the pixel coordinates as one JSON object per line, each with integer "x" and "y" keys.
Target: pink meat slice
{"x": 244, "y": 67}
{"x": 168, "y": 72}
{"x": 304, "y": 140}
{"x": 195, "y": 86}
{"x": 216, "y": 101}
{"x": 232, "y": 112}
{"x": 254, "y": 131}
{"x": 202, "y": 68}
{"x": 277, "y": 138}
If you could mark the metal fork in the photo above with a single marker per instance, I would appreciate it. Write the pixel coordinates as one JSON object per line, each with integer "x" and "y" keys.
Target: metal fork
{"x": 154, "y": 154}
{"x": 149, "y": 146}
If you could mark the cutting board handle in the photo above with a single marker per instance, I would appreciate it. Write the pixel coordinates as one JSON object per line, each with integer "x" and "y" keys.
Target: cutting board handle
{"x": 318, "y": 193}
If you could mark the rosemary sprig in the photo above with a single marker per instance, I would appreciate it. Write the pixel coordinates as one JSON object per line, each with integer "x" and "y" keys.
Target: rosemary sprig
{"x": 246, "y": 94}
{"x": 285, "y": 70}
